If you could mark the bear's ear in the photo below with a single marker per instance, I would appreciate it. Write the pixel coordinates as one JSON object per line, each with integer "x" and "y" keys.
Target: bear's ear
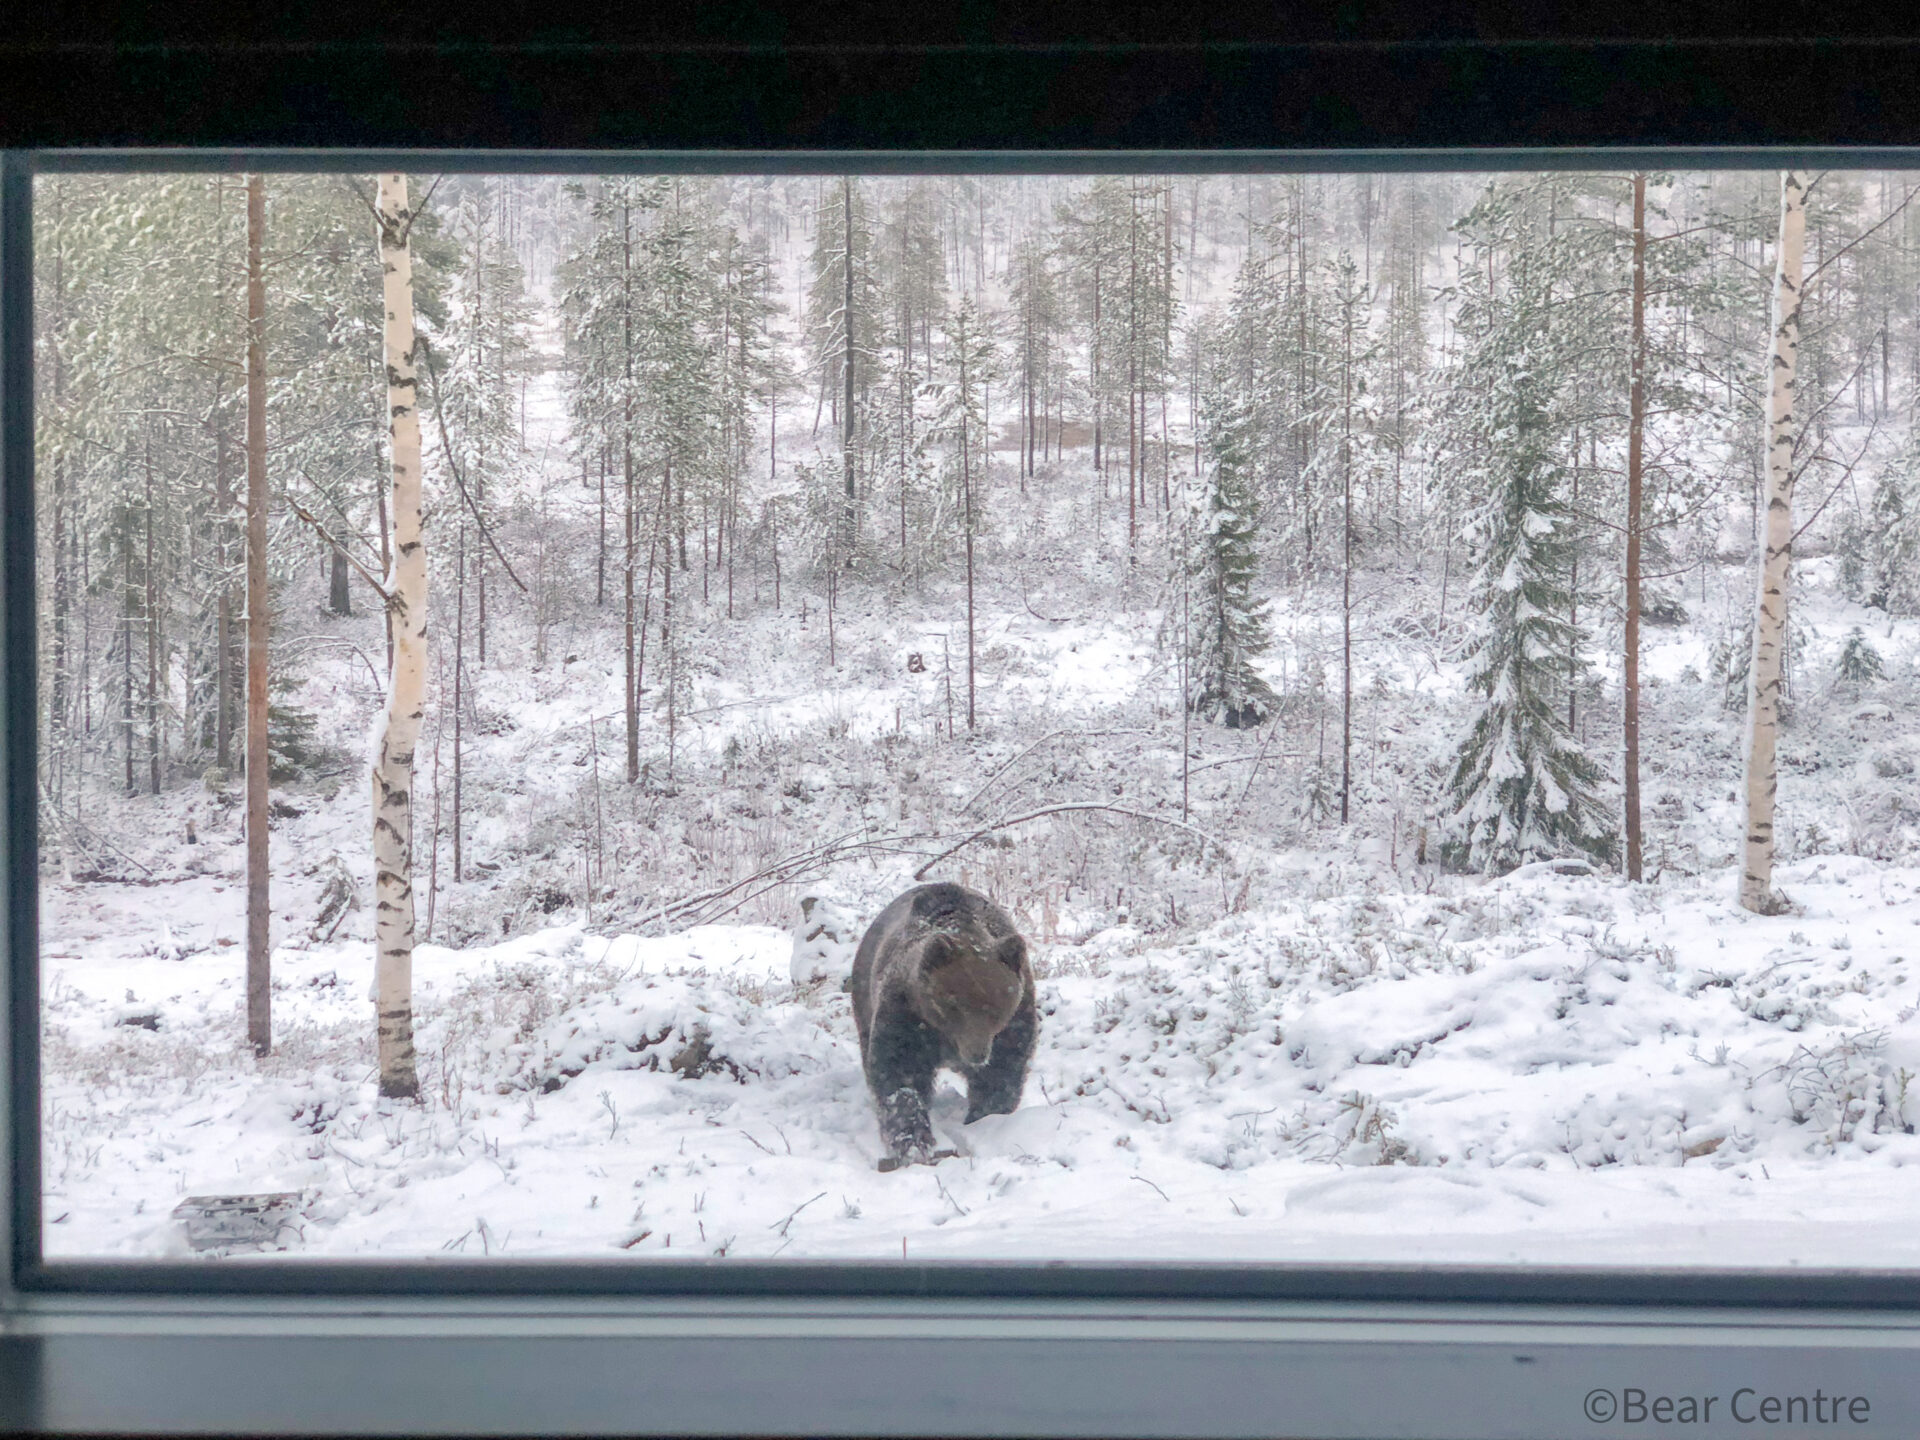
{"x": 1012, "y": 952}
{"x": 937, "y": 950}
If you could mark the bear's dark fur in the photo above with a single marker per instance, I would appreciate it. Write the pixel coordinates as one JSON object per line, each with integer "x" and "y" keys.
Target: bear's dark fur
{"x": 941, "y": 979}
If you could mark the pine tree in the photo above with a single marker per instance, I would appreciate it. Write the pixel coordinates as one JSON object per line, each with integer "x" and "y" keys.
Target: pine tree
{"x": 1522, "y": 787}
{"x": 1229, "y": 618}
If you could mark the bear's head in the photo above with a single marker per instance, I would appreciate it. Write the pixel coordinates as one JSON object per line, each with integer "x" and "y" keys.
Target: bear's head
{"x": 970, "y": 988}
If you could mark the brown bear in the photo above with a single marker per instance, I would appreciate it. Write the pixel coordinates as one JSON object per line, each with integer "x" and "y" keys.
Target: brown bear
{"x": 941, "y": 979}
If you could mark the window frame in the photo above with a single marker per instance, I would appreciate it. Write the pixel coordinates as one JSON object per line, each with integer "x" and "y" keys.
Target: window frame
{"x": 743, "y": 1346}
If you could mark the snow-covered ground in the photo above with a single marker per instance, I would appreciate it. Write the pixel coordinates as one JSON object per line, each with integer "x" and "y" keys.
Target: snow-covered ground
{"x": 1548, "y": 1068}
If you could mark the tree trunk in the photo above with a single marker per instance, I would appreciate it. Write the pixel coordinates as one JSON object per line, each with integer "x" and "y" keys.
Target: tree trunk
{"x": 259, "y": 975}
{"x": 480, "y": 569}
{"x": 1573, "y": 607}
{"x": 126, "y": 652}
{"x": 339, "y": 601}
{"x": 1770, "y": 620}
{"x": 632, "y": 681}
{"x": 1636, "y": 445}
{"x": 1133, "y": 374}
{"x": 846, "y": 363}
{"x": 433, "y": 849}
{"x": 386, "y": 546}
{"x": 223, "y": 686}
{"x": 1346, "y": 571}
{"x": 459, "y": 701}
{"x": 966, "y": 491}
{"x": 1026, "y": 381}
{"x": 398, "y": 728}
{"x": 62, "y": 576}
{"x": 906, "y": 413}
{"x": 666, "y": 638}
{"x": 1094, "y": 376}
{"x": 151, "y": 605}
{"x": 632, "y": 676}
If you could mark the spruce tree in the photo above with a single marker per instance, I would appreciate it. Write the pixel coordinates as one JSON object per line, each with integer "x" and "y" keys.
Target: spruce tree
{"x": 1229, "y": 617}
{"x": 1895, "y": 584}
{"x": 1522, "y": 787}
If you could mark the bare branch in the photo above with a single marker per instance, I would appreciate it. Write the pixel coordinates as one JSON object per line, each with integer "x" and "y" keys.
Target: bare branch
{"x": 1846, "y": 476}
{"x": 321, "y": 531}
{"x": 987, "y": 784}
{"x": 416, "y": 211}
{"x": 1807, "y": 284}
{"x": 353, "y": 188}
{"x": 446, "y": 448}
{"x": 987, "y": 830}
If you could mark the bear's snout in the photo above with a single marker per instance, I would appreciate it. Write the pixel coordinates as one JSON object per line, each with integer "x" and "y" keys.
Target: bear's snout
{"x": 975, "y": 1051}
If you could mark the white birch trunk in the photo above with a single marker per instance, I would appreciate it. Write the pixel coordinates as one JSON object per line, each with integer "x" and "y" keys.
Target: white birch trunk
{"x": 398, "y": 729}
{"x": 1770, "y": 620}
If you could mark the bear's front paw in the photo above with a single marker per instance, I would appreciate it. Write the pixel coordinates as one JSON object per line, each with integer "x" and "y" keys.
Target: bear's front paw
{"x": 890, "y": 1163}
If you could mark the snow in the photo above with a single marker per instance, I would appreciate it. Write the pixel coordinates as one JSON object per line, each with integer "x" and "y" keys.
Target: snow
{"x": 1550, "y": 1068}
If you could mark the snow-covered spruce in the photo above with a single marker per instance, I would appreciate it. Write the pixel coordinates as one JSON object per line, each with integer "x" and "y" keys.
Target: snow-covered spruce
{"x": 1522, "y": 786}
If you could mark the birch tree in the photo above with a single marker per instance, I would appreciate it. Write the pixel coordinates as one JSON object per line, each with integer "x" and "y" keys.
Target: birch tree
{"x": 1770, "y": 617}
{"x": 398, "y": 727}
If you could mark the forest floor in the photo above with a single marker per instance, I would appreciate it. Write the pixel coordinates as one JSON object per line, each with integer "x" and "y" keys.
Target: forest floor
{"x": 1546, "y": 1068}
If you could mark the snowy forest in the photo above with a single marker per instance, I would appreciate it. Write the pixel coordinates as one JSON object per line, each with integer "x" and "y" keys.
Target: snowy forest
{"x": 1427, "y": 660}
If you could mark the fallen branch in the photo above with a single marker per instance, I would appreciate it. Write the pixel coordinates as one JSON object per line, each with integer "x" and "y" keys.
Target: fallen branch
{"x": 987, "y": 784}
{"x": 987, "y": 830}
{"x": 777, "y": 874}
{"x": 379, "y": 680}
{"x": 1253, "y": 759}
{"x": 1024, "y": 600}
{"x": 84, "y": 838}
